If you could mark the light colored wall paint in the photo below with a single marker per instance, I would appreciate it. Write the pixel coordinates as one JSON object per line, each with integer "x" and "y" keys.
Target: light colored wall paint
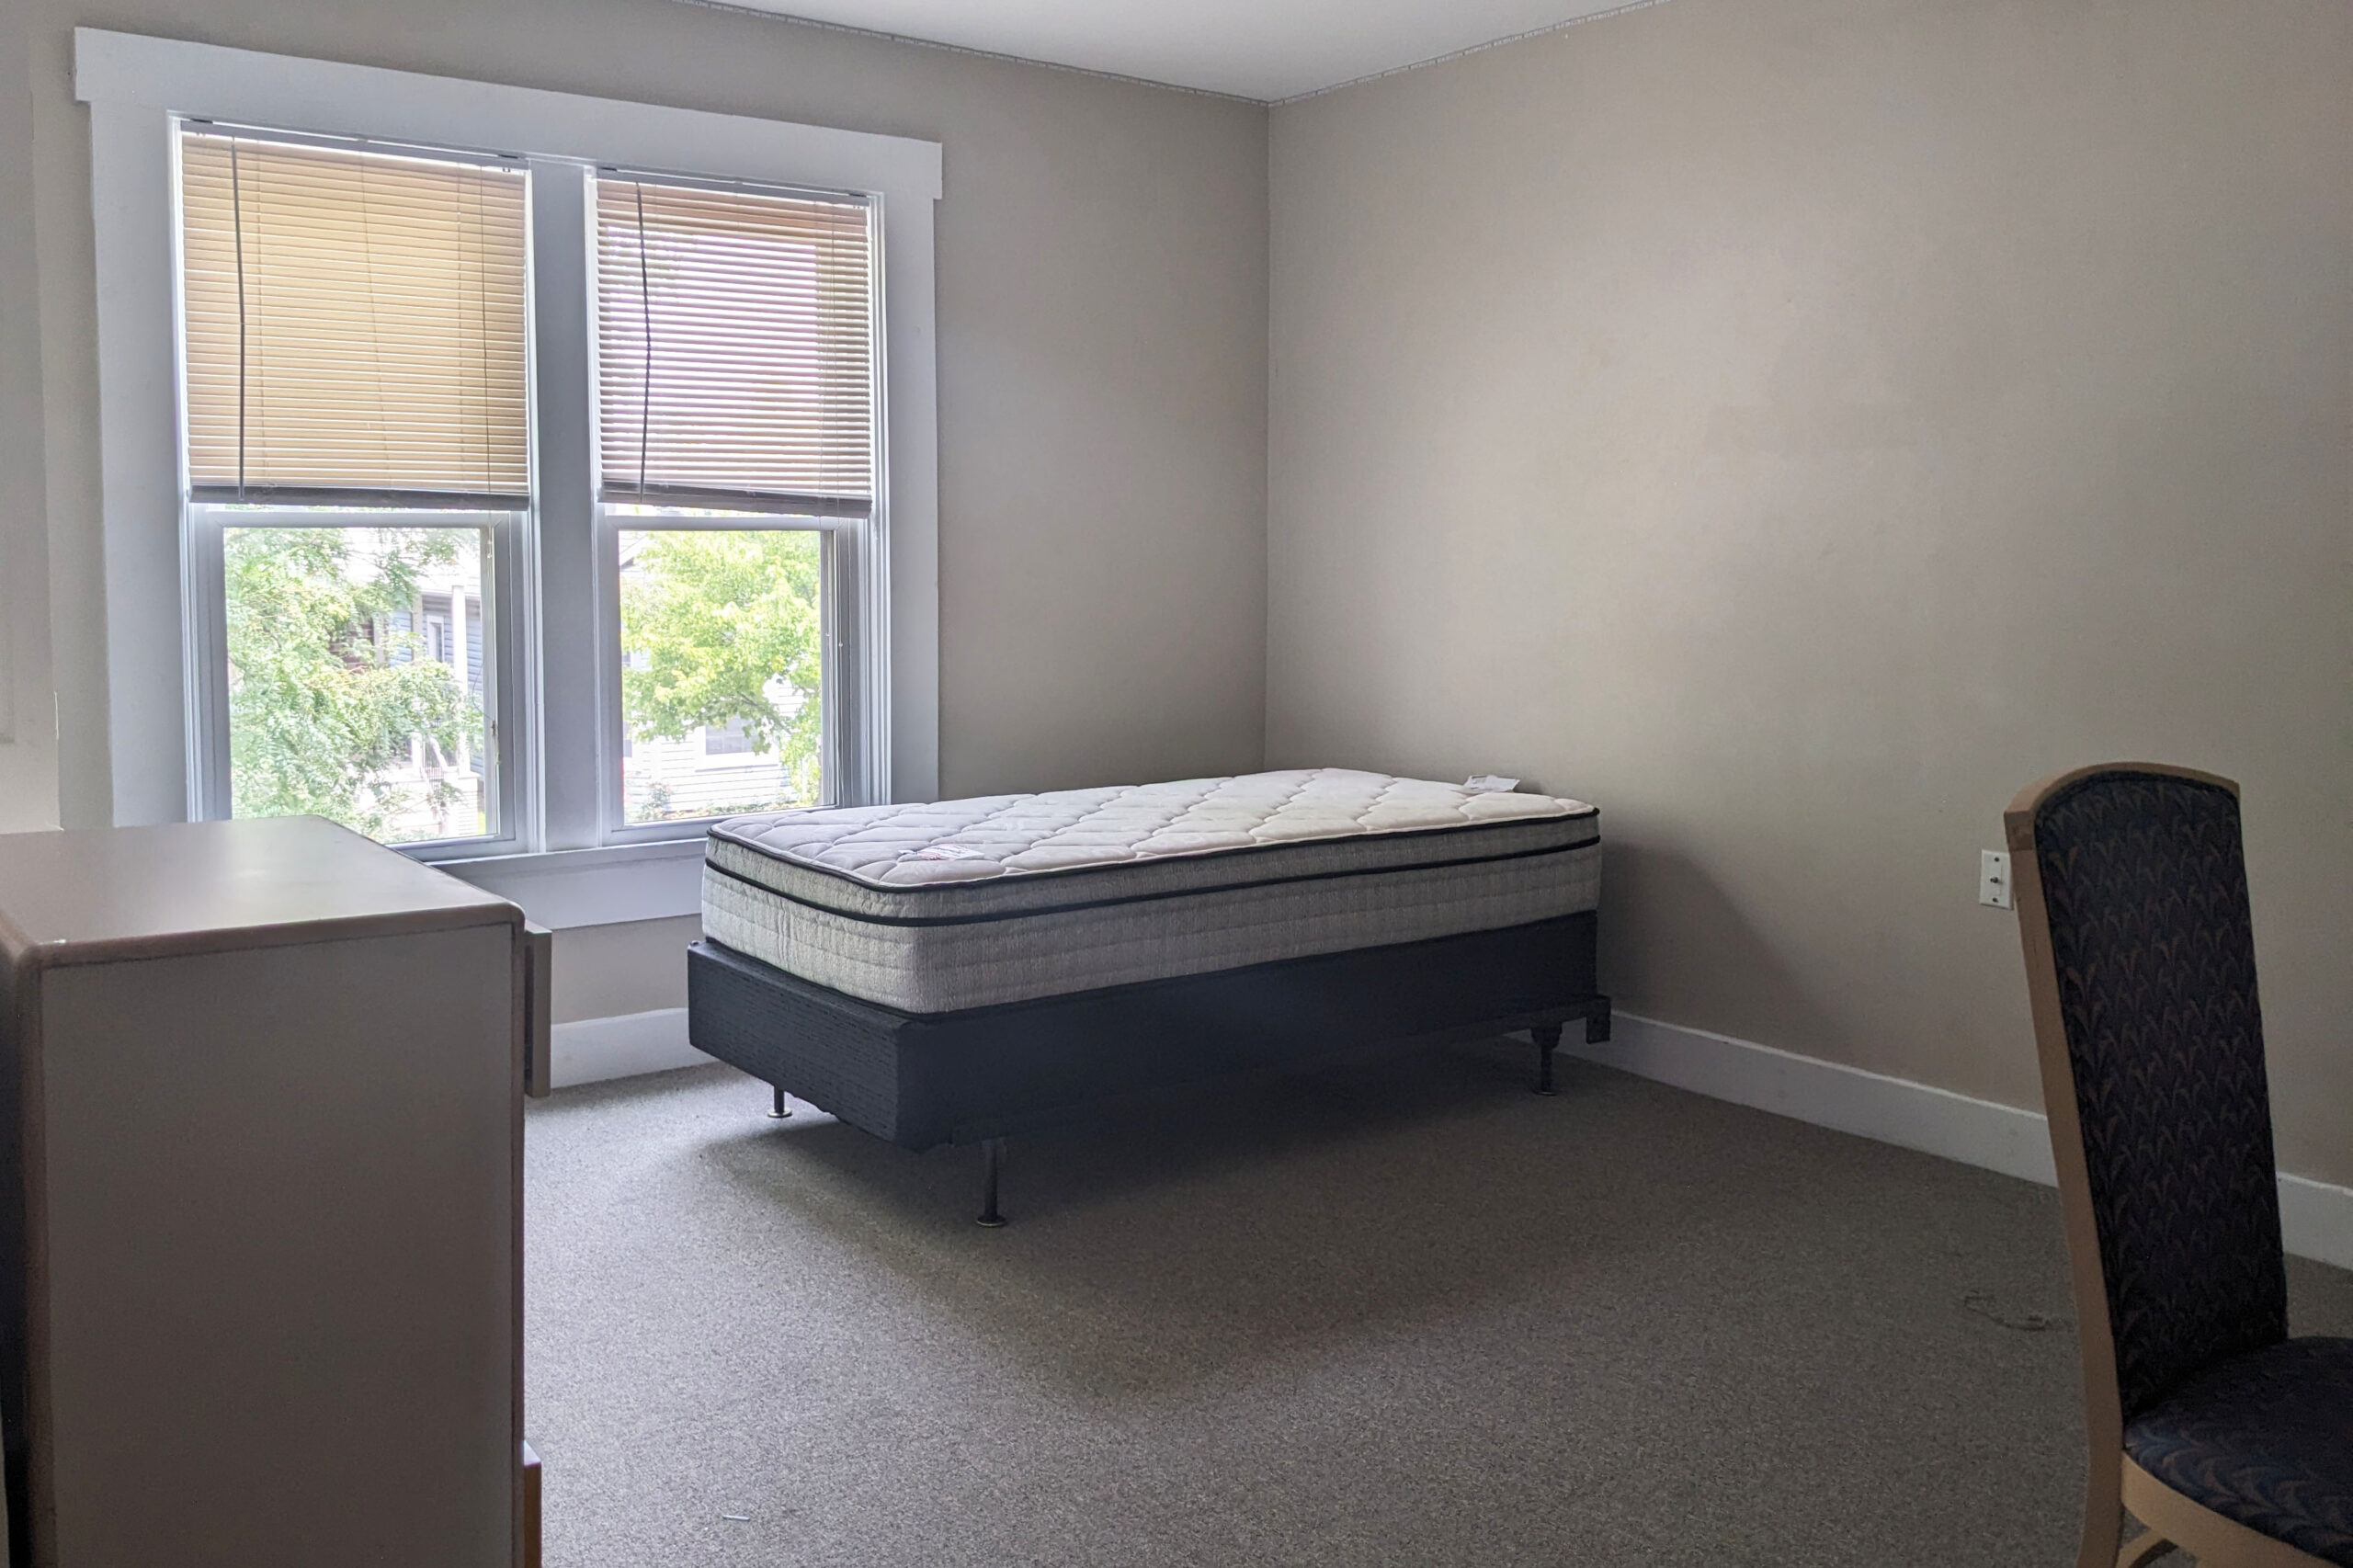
{"x": 1796, "y": 426}
{"x": 1101, "y": 256}
{"x": 602, "y": 972}
{"x": 27, "y": 724}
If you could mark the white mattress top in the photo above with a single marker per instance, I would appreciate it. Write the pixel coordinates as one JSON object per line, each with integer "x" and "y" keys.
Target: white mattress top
{"x": 999, "y": 835}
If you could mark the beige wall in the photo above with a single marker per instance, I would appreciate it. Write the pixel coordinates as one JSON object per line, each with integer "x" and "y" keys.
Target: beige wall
{"x": 1794, "y": 426}
{"x": 605, "y": 970}
{"x": 1101, "y": 257}
{"x": 28, "y": 728}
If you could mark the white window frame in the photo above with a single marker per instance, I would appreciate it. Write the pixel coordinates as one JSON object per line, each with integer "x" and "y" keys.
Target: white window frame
{"x": 136, "y": 86}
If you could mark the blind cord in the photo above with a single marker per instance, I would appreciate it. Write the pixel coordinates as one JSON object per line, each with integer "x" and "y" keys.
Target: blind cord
{"x": 473, "y": 202}
{"x": 645, "y": 320}
{"x": 237, "y": 228}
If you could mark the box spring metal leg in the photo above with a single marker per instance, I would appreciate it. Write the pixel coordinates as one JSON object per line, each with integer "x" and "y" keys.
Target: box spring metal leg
{"x": 992, "y": 1155}
{"x": 1548, "y": 1039}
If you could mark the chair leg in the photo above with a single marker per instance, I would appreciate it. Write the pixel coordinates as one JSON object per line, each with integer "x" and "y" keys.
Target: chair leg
{"x": 1548, "y": 1039}
{"x": 2103, "y": 1533}
{"x": 781, "y": 1110}
{"x": 992, "y": 1155}
{"x": 2142, "y": 1550}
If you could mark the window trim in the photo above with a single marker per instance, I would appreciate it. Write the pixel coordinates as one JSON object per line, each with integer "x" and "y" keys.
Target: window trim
{"x": 135, "y": 86}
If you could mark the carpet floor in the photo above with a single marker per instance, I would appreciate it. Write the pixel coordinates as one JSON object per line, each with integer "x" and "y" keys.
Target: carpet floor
{"x": 1390, "y": 1312}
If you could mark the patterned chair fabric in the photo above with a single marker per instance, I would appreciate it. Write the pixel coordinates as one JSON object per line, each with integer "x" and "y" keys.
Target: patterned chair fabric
{"x": 2265, "y": 1439}
{"x": 2146, "y": 887}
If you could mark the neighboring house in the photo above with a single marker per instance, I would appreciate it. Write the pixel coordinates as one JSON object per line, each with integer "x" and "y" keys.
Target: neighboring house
{"x": 438, "y": 795}
{"x": 712, "y": 772}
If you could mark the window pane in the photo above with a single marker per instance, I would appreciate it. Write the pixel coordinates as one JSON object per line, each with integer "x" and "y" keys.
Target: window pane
{"x": 722, "y": 671}
{"x": 355, "y": 680}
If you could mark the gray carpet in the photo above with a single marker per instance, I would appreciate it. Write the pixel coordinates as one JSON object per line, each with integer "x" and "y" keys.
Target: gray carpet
{"x": 1395, "y": 1312}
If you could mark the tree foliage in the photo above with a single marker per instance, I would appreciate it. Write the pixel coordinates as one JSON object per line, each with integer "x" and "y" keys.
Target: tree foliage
{"x": 328, "y": 686}
{"x": 720, "y": 626}
{"x": 323, "y": 693}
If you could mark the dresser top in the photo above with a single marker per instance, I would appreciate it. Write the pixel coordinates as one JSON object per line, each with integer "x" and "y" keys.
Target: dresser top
{"x": 107, "y": 894}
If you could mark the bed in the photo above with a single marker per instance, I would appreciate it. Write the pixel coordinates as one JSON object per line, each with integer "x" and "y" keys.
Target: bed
{"x": 958, "y": 972}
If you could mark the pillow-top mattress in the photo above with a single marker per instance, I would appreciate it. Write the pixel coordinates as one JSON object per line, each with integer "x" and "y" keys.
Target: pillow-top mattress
{"x": 937, "y": 908}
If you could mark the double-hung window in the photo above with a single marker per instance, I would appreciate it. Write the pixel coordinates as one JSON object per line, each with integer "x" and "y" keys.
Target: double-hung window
{"x": 520, "y": 477}
{"x": 368, "y": 512}
{"x": 736, "y": 450}
{"x": 355, "y": 443}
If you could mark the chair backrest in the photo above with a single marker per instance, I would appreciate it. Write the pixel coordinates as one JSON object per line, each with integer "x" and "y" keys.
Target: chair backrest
{"x": 2145, "y": 1016}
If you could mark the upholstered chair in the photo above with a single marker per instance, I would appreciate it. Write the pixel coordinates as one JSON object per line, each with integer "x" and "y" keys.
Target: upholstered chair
{"x": 2228, "y": 1438}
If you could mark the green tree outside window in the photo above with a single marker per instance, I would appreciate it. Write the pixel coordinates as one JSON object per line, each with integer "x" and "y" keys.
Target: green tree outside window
{"x": 325, "y": 689}
{"x": 722, "y": 626}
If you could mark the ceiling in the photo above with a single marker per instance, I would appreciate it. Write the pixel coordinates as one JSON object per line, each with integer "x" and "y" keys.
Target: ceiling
{"x": 1269, "y": 50}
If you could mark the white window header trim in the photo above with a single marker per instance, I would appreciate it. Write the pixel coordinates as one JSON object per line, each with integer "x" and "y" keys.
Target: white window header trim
{"x": 333, "y": 98}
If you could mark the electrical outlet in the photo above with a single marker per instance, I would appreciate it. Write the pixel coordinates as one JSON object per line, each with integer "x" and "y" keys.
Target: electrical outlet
{"x": 1993, "y": 878}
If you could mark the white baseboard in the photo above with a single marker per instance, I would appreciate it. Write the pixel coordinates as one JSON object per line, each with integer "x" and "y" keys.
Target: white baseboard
{"x": 593, "y": 1050}
{"x": 2316, "y": 1217}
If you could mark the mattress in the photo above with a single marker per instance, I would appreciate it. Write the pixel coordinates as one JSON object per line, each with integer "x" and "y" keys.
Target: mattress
{"x": 950, "y": 905}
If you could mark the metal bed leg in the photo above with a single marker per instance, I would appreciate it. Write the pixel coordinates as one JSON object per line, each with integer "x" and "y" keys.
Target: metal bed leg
{"x": 992, "y": 1155}
{"x": 781, "y": 1110}
{"x": 1596, "y": 1023}
{"x": 1547, "y": 1038}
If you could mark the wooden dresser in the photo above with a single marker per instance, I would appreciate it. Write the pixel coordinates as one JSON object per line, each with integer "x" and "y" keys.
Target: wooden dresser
{"x": 260, "y": 1252}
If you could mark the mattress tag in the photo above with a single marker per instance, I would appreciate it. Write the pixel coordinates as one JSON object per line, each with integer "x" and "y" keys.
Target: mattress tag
{"x": 1490, "y": 783}
{"x": 943, "y": 852}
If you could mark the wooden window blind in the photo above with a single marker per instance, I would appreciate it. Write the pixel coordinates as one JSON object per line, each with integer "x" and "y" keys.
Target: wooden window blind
{"x": 355, "y": 324}
{"x": 736, "y": 355}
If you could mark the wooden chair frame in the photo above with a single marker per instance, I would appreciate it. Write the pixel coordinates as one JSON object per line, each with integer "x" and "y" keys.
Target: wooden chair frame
{"x": 2112, "y": 1482}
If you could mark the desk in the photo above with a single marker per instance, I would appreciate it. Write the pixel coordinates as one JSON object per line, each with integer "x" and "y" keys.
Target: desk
{"x": 260, "y": 1247}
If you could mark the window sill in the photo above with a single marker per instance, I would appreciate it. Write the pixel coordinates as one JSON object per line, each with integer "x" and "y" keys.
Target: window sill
{"x": 620, "y": 882}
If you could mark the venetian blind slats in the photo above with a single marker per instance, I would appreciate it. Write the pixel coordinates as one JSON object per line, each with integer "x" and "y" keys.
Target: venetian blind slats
{"x": 735, "y": 336}
{"x": 356, "y": 323}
